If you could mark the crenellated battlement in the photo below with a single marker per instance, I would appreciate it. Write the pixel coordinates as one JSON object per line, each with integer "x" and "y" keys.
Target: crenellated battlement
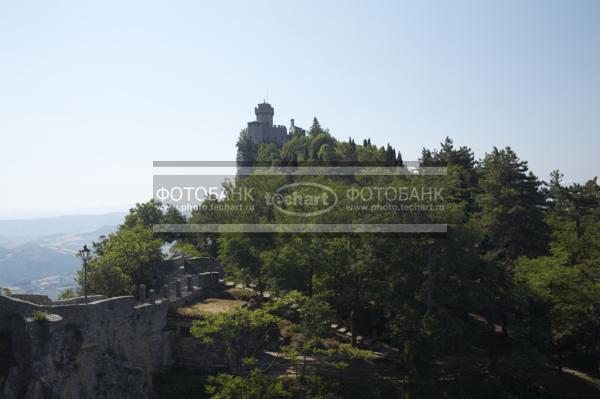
{"x": 178, "y": 293}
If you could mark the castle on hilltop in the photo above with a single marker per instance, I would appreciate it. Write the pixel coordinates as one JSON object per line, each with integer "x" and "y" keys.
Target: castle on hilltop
{"x": 262, "y": 129}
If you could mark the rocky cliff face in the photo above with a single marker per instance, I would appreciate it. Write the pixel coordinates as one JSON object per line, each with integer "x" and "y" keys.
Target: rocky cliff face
{"x": 108, "y": 349}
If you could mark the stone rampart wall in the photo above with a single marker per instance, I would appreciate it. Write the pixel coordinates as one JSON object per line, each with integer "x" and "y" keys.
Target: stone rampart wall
{"x": 107, "y": 348}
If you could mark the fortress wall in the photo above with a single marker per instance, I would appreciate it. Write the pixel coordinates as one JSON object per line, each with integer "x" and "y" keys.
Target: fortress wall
{"x": 79, "y": 299}
{"x": 75, "y": 312}
{"x": 105, "y": 349}
{"x": 203, "y": 265}
{"x": 267, "y": 134}
{"x": 38, "y": 299}
{"x": 168, "y": 267}
{"x": 170, "y": 264}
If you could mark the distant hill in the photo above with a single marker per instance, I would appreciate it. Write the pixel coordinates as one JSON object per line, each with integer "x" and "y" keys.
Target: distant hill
{"x": 38, "y": 255}
{"x": 19, "y": 231}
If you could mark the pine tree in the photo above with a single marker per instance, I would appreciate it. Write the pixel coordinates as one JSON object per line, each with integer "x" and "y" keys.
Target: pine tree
{"x": 316, "y": 128}
{"x": 399, "y": 161}
{"x": 390, "y": 155}
{"x": 510, "y": 218}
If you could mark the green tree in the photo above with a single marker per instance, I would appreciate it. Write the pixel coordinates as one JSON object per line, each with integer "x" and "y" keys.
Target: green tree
{"x": 68, "y": 293}
{"x": 315, "y": 128}
{"x": 321, "y": 147}
{"x": 129, "y": 257}
{"x": 346, "y": 152}
{"x": 312, "y": 328}
{"x": 151, "y": 213}
{"x": 242, "y": 332}
{"x": 242, "y": 254}
{"x": 145, "y": 214}
{"x": 562, "y": 290}
{"x": 296, "y": 146}
{"x": 510, "y": 222}
{"x": 268, "y": 154}
{"x": 246, "y": 149}
{"x": 461, "y": 160}
{"x": 510, "y": 204}
{"x": 255, "y": 386}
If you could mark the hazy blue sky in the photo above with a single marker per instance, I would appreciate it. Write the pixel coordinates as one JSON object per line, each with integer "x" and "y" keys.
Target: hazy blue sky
{"x": 92, "y": 92}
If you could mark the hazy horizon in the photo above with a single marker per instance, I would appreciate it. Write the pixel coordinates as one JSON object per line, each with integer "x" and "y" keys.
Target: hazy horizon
{"x": 92, "y": 94}
{"x": 21, "y": 214}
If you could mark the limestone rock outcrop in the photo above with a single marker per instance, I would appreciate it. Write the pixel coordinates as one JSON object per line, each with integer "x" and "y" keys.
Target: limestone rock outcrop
{"x": 105, "y": 349}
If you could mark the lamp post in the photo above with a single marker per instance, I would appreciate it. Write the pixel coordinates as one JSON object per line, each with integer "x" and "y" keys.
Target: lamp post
{"x": 85, "y": 254}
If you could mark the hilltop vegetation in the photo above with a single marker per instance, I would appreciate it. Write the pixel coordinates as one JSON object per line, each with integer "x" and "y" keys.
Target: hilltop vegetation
{"x": 514, "y": 281}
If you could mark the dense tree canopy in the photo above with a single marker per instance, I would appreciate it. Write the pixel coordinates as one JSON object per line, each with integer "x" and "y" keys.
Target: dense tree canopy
{"x": 129, "y": 257}
{"x": 519, "y": 262}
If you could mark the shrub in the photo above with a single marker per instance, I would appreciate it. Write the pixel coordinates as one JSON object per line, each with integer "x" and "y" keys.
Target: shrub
{"x": 67, "y": 294}
{"x": 40, "y": 315}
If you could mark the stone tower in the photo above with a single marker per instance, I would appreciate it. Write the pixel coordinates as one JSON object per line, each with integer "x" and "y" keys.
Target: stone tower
{"x": 264, "y": 114}
{"x": 262, "y": 129}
